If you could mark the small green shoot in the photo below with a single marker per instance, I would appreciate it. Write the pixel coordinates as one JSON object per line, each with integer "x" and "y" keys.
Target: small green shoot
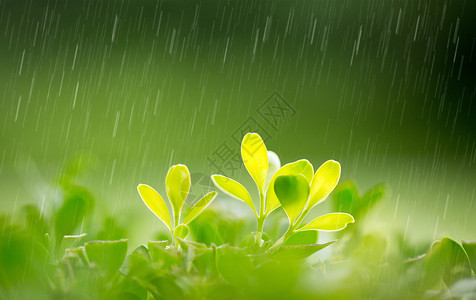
{"x": 177, "y": 185}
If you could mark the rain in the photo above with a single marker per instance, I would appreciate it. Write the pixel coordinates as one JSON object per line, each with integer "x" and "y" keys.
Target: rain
{"x": 106, "y": 95}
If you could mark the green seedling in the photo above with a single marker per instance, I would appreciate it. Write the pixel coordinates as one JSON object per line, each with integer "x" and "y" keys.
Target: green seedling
{"x": 177, "y": 184}
{"x": 260, "y": 164}
{"x": 293, "y": 186}
{"x": 298, "y": 194}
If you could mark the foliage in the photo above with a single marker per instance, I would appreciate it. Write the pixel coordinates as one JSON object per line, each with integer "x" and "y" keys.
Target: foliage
{"x": 211, "y": 254}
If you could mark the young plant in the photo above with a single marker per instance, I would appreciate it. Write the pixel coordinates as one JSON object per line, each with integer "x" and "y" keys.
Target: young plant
{"x": 177, "y": 185}
{"x": 260, "y": 164}
{"x": 293, "y": 186}
{"x": 298, "y": 194}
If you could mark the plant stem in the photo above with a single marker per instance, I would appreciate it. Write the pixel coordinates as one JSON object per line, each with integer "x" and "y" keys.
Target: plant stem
{"x": 301, "y": 217}
{"x": 283, "y": 239}
{"x": 261, "y": 216}
{"x": 260, "y": 224}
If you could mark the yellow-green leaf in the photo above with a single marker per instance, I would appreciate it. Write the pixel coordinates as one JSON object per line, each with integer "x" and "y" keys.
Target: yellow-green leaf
{"x": 177, "y": 184}
{"x": 181, "y": 231}
{"x": 198, "y": 207}
{"x": 292, "y": 192}
{"x": 255, "y": 158}
{"x": 329, "y": 222}
{"x": 155, "y": 203}
{"x": 302, "y": 166}
{"x": 233, "y": 188}
{"x": 323, "y": 182}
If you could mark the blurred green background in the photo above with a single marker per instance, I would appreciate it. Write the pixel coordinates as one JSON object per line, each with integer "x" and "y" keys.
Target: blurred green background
{"x": 128, "y": 88}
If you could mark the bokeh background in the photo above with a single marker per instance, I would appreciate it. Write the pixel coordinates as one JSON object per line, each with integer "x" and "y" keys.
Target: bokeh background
{"x": 126, "y": 88}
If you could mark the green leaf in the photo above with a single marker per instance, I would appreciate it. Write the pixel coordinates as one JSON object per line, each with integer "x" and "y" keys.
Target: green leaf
{"x": 323, "y": 182}
{"x": 155, "y": 203}
{"x": 76, "y": 206}
{"x": 470, "y": 248}
{"x": 372, "y": 197}
{"x": 292, "y": 192}
{"x": 233, "y": 188}
{"x": 302, "y": 167}
{"x": 255, "y": 158}
{"x": 302, "y": 238}
{"x": 161, "y": 254}
{"x": 177, "y": 185}
{"x": 181, "y": 231}
{"x": 448, "y": 260}
{"x": 198, "y": 207}
{"x": 286, "y": 253}
{"x": 346, "y": 197}
{"x": 137, "y": 263}
{"x": 108, "y": 255}
{"x": 329, "y": 222}
{"x": 235, "y": 266}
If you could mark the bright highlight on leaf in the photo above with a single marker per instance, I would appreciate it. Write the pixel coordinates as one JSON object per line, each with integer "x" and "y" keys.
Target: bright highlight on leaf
{"x": 234, "y": 189}
{"x": 255, "y": 158}
{"x": 155, "y": 203}
{"x": 292, "y": 192}
{"x": 324, "y": 182}
{"x": 199, "y": 207}
{"x": 329, "y": 222}
{"x": 273, "y": 166}
{"x": 177, "y": 184}
{"x": 302, "y": 167}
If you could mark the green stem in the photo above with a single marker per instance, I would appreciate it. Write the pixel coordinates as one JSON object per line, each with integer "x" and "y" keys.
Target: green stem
{"x": 260, "y": 224}
{"x": 283, "y": 239}
{"x": 261, "y": 216}
{"x": 301, "y": 217}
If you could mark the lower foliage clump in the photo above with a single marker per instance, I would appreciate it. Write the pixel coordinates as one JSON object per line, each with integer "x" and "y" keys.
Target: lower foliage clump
{"x": 206, "y": 252}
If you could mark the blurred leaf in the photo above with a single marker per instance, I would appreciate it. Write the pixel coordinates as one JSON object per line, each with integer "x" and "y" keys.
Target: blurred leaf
{"x": 235, "y": 266}
{"x": 372, "y": 197}
{"x": 329, "y": 222}
{"x": 345, "y": 197}
{"x": 181, "y": 231}
{"x": 292, "y": 192}
{"x": 470, "y": 248}
{"x": 448, "y": 260}
{"x": 198, "y": 207}
{"x": 132, "y": 290}
{"x": 161, "y": 254}
{"x": 234, "y": 189}
{"x": 34, "y": 220}
{"x": 111, "y": 230}
{"x": 462, "y": 289}
{"x": 80, "y": 253}
{"x": 216, "y": 227}
{"x": 72, "y": 241}
{"x": 302, "y": 238}
{"x": 323, "y": 182}
{"x": 302, "y": 167}
{"x": 137, "y": 263}
{"x": 297, "y": 252}
{"x": 155, "y": 203}
{"x": 76, "y": 206}
{"x": 177, "y": 184}
{"x": 108, "y": 255}
{"x": 255, "y": 158}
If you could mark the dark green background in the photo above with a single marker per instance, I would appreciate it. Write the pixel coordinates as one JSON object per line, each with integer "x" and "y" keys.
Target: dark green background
{"x": 130, "y": 87}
